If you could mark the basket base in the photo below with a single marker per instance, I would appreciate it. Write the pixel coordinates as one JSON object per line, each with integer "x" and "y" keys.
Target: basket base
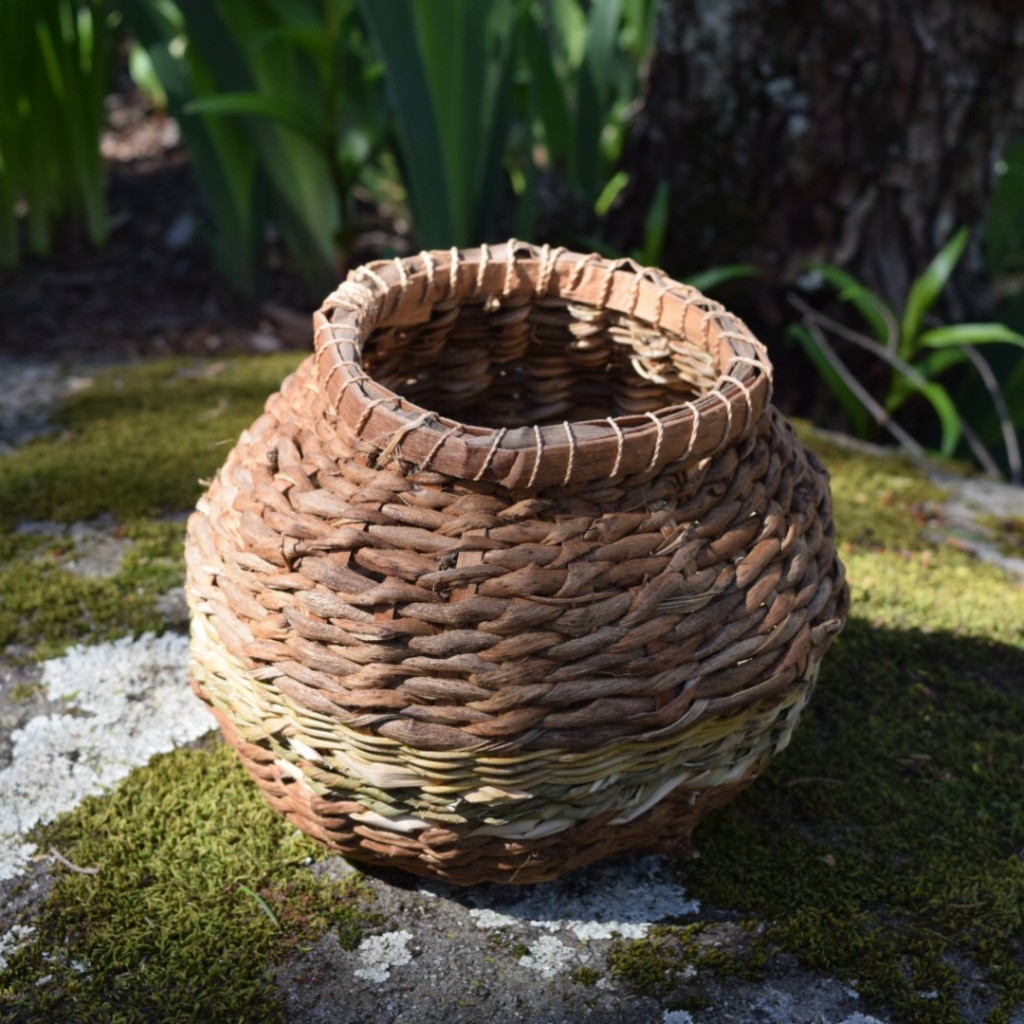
{"x": 454, "y": 855}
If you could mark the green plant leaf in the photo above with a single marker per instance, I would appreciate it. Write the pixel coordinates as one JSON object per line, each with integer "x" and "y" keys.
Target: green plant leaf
{"x": 140, "y": 67}
{"x": 415, "y": 122}
{"x": 602, "y": 34}
{"x": 220, "y": 149}
{"x": 616, "y": 183}
{"x": 640, "y": 18}
{"x": 570, "y": 22}
{"x": 447, "y": 73}
{"x": 595, "y": 95}
{"x": 284, "y": 110}
{"x": 931, "y": 365}
{"x": 656, "y": 227}
{"x": 939, "y": 398}
{"x": 707, "y": 280}
{"x": 954, "y": 335}
{"x": 949, "y": 417}
{"x": 56, "y": 67}
{"x": 548, "y": 94}
{"x": 871, "y": 307}
{"x": 925, "y": 291}
{"x": 310, "y": 38}
{"x": 860, "y": 418}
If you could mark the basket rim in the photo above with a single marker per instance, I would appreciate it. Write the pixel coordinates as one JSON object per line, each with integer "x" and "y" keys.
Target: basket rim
{"x": 404, "y": 291}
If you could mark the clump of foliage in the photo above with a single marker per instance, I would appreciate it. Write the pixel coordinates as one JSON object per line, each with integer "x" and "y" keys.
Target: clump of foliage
{"x": 295, "y": 110}
{"x": 56, "y": 65}
{"x": 916, "y": 359}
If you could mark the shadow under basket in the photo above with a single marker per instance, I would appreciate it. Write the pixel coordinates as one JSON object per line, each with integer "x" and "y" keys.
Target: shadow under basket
{"x": 519, "y": 570}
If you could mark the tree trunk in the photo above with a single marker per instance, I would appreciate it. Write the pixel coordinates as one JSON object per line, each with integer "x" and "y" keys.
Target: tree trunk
{"x": 857, "y": 132}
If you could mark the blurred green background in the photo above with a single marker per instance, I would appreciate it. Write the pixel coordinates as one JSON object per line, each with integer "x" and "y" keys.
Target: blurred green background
{"x": 867, "y": 219}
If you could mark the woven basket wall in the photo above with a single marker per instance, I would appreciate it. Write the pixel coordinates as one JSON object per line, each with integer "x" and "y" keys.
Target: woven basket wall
{"x": 519, "y": 570}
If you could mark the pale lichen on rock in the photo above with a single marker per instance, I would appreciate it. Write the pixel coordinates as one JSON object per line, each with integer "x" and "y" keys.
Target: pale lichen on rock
{"x": 378, "y": 955}
{"x": 126, "y": 701}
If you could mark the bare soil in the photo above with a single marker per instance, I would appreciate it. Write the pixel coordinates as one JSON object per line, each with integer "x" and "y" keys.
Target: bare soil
{"x": 153, "y": 289}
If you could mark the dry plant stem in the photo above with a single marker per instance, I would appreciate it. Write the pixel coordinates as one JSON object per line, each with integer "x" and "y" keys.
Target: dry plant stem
{"x": 60, "y": 858}
{"x": 981, "y": 453}
{"x": 1010, "y": 442}
{"x": 892, "y": 328}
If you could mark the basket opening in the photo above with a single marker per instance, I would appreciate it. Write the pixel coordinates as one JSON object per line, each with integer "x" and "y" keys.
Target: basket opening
{"x": 542, "y": 361}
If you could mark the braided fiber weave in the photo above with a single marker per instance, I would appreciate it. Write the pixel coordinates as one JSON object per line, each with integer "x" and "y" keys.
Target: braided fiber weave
{"x": 520, "y": 569}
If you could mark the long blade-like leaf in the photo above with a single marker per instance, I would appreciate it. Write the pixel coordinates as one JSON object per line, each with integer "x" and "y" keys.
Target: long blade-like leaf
{"x": 465, "y": 46}
{"x": 870, "y": 306}
{"x": 931, "y": 366}
{"x": 950, "y": 421}
{"x": 859, "y": 417}
{"x": 416, "y": 124}
{"x": 716, "y": 276}
{"x": 548, "y": 94}
{"x": 656, "y": 227}
{"x": 969, "y": 334}
{"x": 603, "y": 30}
{"x": 925, "y": 291}
{"x": 282, "y": 109}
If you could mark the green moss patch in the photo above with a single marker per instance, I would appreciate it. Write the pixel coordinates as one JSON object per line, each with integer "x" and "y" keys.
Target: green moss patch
{"x": 134, "y": 444}
{"x": 675, "y": 962}
{"x": 200, "y": 888}
{"x": 138, "y": 440}
{"x": 887, "y": 844}
{"x": 45, "y": 606}
{"x": 880, "y": 502}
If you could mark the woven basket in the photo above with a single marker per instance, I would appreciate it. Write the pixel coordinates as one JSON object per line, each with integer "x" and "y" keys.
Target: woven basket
{"x": 519, "y": 570}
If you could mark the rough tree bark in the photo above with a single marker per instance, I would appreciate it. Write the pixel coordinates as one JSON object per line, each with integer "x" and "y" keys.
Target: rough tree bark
{"x": 862, "y": 132}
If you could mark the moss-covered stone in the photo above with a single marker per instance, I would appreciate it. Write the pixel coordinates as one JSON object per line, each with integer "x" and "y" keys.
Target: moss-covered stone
{"x": 138, "y": 440}
{"x": 885, "y": 846}
{"x": 677, "y": 961}
{"x": 198, "y": 888}
{"x": 45, "y": 606}
{"x": 586, "y": 976}
{"x": 134, "y": 444}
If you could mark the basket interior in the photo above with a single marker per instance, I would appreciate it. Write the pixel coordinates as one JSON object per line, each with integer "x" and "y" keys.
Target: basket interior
{"x": 524, "y": 361}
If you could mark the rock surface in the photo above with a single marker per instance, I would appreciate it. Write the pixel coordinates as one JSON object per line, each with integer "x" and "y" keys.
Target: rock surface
{"x": 433, "y": 954}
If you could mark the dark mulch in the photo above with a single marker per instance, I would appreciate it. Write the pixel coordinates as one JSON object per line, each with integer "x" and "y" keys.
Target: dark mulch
{"x": 153, "y": 289}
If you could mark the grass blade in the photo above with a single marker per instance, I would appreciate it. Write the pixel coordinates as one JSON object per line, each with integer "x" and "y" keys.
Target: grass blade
{"x": 837, "y": 380}
{"x": 707, "y": 280}
{"x": 283, "y": 109}
{"x": 955, "y": 335}
{"x": 656, "y": 227}
{"x": 549, "y": 97}
{"x": 925, "y": 291}
{"x": 874, "y": 311}
{"x": 416, "y": 125}
{"x": 611, "y": 191}
{"x": 931, "y": 366}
